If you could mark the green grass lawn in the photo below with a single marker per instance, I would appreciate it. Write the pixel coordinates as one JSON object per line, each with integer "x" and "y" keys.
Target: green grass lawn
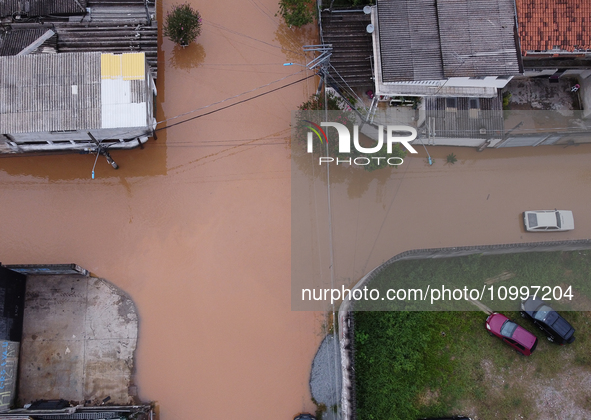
{"x": 562, "y": 269}
{"x": 410, "y": 365}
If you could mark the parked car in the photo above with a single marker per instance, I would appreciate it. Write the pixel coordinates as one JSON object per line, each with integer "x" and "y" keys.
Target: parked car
{"x": 548, "y": 220}
{"x": 517, "y": 337}
{"x": 304, "y": 416}
{"x": 548, "y": 320}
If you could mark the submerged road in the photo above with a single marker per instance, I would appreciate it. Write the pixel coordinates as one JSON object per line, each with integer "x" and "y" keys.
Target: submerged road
{"x": 196, "y": 227}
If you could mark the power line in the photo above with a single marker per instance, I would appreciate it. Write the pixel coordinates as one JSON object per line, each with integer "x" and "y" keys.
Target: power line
{"x": 231, "y": 97}
{"x": 218, "y": 26}
{"x": 236, "y": 103}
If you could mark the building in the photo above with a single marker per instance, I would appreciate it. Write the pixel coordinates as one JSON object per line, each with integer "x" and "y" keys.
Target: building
{"x": 57, "y": 108}
{"x": 549, "y": 28}
{"x": 60, "y": 101}
{"x": 555, "y": 37}
{"x": 462, "y": 48}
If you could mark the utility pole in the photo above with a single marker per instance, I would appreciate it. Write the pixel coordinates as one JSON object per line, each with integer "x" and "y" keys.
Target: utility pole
{"x": 101, "y": 150}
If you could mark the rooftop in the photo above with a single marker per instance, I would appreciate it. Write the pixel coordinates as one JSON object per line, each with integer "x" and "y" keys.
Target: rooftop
{"x": 34, "y": 8}
{"x": 72, "y": 91}
{"x": 114, "y": 26}
{"x": 545, "y": 25}
{"x": 352, "y": 51}
{"x": 466, "y": 117}
{"x": 431, "y": 40}
{"x": 14, "y": 41}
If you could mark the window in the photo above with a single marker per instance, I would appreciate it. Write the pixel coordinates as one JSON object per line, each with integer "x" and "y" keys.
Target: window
{"x": 542, "y": 313}
{"x": 504, "y": 77}
{"x": 508, "y": 328}
{"x": 478, "y": 78}
{"x": 451, "y": 103}
{"x": 473, "y": 103}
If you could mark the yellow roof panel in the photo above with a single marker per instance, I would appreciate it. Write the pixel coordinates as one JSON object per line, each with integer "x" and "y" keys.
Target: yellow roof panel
{"x": 134, "y": 66}
{"x": 110, "y": 66}
{"x": 128, "y": 66}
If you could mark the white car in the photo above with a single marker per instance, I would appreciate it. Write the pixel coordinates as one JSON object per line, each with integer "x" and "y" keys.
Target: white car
{"x": 548, "y": 220}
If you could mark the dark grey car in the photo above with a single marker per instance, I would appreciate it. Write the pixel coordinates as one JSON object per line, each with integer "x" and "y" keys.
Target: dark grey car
{"x": 304, "y": 416}
{"x": 548, "y": 320}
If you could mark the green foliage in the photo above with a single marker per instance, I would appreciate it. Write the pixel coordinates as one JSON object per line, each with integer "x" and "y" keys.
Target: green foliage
{"x": 316, "y": 103}
{"x": 297, "y": 12}
{"x": 182, "y": 24}
{"x": 506, "y": 100}
{"x": 451, "y": 158}
{"x": 398, "y": 362}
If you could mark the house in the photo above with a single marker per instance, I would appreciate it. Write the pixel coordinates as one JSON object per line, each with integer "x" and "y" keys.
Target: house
{"x": 85, "y": 25}
{"x": 25, "y": 9}
{"x": 60, "y": 101}
{"x": 57, "y": 88}
{"x": 555, "y": 37}
{"x": 68, "y": 344}
{"x": 449, "y": 48}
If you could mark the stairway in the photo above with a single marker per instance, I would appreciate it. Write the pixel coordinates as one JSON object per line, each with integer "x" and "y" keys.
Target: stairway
{"x": 352, "y": 47}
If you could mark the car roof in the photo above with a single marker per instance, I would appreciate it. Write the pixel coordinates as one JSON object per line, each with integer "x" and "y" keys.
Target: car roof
{"x": 531, "y": 304}
{"x": 524, "y": 337}
{"x": 547, "y": 219}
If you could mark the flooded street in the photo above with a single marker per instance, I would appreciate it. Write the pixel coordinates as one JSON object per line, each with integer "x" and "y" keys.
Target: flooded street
{"x": 479, "y": 200}
{"x": 196, "y": 226}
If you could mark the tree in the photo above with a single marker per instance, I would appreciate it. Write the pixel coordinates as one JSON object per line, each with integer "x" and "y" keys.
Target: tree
{"x": 297, "y": 12}
{"x": 182, "y": 24}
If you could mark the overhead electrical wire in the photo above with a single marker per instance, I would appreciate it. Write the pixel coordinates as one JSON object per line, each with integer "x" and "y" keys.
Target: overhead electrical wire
{"x": 218, "y": 26}
{"x": 231, "y": 97}
{"x": 237, "y": 103}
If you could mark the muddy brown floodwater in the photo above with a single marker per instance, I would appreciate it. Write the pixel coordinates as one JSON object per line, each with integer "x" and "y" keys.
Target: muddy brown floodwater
{"x": 196, "y": 226}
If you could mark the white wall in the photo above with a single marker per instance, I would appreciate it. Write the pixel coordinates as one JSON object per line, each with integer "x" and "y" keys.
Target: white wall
{"x": 81, "y": 135}
{"x": 488, "y": 81}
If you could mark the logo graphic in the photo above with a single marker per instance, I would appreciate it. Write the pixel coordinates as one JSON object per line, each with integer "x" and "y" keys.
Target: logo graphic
{"x": 392, "y": 136}
{"x": 315, "y": 129}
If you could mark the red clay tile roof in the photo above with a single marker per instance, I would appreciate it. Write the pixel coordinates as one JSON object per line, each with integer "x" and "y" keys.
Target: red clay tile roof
{"x": 544, "y": 24}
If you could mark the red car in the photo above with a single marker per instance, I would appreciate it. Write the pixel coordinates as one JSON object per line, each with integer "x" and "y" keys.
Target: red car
{"x": 517, "y": 337}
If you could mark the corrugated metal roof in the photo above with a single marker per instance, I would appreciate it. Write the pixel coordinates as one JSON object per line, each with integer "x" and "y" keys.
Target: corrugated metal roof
{"x": 130, "y": 66}
{"x": 14, "y": 41}
{"x": 37, "y": 93}
{"x": 409, "y": 40}
{"x": 432, "y": 40}
{"x": 133, "y": 66}
{"x": 466, "y": 117}
{"x": 478, "y": 37}
{"x": 110, "y": 66}
{"x": 41, "y": 7}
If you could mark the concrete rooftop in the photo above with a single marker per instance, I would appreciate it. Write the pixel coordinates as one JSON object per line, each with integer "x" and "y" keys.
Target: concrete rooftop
{"x": 79, "y": 338}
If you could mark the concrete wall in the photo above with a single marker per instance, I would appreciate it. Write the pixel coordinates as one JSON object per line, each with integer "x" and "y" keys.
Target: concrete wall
{"x": 81, "y": 135}
{"x": 585, "y": 95}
